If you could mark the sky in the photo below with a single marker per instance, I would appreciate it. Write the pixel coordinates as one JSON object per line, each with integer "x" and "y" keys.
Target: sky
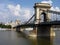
{"x": 10, "y": 10}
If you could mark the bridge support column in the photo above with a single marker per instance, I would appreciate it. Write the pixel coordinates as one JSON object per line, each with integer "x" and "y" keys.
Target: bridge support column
{"x": 44, "y": 30}
{"x": 18, "y": 29}
{"x": 45, "y": 35}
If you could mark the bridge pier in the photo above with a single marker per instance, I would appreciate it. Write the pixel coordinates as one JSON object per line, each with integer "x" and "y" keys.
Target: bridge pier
{"x": 18, "y": 29}
{"x": 45, "y": 35}
{"x": 44, "y": 30}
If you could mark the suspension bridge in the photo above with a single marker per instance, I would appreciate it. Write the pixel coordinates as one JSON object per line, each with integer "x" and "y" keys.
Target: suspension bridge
{"x": 42, "y": 21}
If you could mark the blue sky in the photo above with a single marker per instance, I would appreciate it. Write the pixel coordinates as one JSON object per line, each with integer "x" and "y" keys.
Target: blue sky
{"x": 21, "y": 9}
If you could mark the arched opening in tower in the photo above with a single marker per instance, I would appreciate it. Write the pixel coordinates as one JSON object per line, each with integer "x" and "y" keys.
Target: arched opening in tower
{"x": 43, "y": 17}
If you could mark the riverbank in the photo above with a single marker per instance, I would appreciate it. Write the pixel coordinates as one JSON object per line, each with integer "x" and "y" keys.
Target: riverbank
{"x": 6, "y": 29}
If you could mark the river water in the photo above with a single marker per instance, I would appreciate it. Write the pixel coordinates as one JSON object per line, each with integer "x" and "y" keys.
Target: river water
{"x": 14, "y": 38}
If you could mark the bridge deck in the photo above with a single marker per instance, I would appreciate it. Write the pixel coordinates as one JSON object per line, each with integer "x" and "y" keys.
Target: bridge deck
{"x": 41, "y": 24}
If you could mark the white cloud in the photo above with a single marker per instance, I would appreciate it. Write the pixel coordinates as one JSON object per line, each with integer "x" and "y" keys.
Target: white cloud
{"x": 12, "y": 12}
{"x": 52, "y": 8}
{"x": 17, "y": 10}
{"x": 49, "y": 1}
{"x": 27, "y": 13}
{"x": 14, "y": 9}
{"x": 55, "y": 9}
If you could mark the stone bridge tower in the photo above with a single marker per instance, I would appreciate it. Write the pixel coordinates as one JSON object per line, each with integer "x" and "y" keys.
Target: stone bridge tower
{"x": 43, "y": 30}
{"x": 39, "y": 9}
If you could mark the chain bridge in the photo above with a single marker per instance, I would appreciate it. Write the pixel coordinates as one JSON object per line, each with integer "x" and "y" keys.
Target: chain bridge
{"x": 42, "y": 21}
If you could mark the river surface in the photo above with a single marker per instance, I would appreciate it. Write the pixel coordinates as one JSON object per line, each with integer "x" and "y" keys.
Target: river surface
{"x": 14, "y": 38}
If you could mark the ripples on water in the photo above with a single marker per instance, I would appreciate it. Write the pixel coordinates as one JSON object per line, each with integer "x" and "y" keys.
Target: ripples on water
{"x": 14, "y": 38}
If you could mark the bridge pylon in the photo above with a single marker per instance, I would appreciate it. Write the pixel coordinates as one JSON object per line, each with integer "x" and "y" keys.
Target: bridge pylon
{"x": 39, "y": 9}
{"x": 43, "y": 30}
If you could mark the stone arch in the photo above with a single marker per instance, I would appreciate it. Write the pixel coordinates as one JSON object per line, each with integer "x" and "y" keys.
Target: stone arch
{"x": 39, "y": 7}
{"x": 44, "y": 16}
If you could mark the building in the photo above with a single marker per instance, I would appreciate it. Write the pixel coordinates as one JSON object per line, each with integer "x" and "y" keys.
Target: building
{"x": 13, "y": 24}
